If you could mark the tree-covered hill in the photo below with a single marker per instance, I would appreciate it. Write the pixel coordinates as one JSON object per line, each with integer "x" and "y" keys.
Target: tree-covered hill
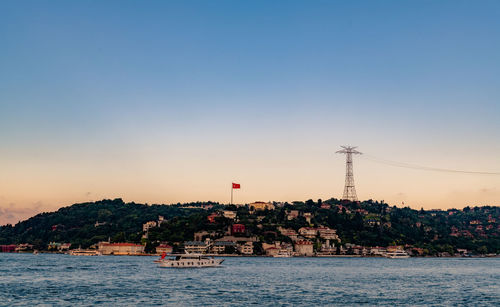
{"x": 367, "y": 223}
{"x": 76, "y": 224}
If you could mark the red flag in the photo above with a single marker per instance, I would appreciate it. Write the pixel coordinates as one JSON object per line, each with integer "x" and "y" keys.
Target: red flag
{"x": 236, "y": 185}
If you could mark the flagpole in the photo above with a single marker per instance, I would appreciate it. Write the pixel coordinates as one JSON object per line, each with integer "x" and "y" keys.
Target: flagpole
{"x": 231, "y": 193}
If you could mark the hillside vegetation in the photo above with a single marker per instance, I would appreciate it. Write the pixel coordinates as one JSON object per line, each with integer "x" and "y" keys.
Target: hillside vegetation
{"x": 368, "y": 223}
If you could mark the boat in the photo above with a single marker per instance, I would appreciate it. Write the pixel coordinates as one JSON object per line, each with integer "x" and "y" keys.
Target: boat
{"x": 84, "y": 252}
{"x": 282, "y": 254}
{"x": 189, "y": 261}
{"x": 397, "y": 254}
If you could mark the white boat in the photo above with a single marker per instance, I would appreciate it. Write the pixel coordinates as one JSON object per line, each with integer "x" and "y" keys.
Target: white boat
{"x": 397, "y": 254}
{"x": 282, "y": 254}
{"x": 189, "y": 261}
{"x": 84, "y": 252}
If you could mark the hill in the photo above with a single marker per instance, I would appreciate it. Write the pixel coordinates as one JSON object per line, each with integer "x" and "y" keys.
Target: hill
{"x": 368, "y": 223}
{"x": 88, "y": 223}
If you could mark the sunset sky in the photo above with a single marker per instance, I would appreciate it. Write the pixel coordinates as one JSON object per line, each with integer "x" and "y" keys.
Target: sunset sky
{"x": 171, "y": 101}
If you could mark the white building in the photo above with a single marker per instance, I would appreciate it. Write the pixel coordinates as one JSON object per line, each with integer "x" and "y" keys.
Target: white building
{"x": 107, "y": 248}
{"x": 328, "y": 233}
{"x": 147, "y": 225}
{"x": 246, "y": 249}
{"x": 308, "y": 232}
{"x": 196, "y": 247}
{"x": 229, "y": 214}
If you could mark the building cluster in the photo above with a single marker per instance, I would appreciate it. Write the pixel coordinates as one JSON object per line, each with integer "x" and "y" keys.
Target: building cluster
{"x": 225, "y": 245}
{"x": 289, "y": 232}
{"x": 120, "y": 249}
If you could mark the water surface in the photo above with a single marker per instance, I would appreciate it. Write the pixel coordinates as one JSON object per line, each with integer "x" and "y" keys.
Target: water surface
{"x": 49, "y": 279}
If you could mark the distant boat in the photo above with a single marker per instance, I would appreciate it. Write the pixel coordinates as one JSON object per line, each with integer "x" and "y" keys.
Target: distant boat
{"x": 397, "y": 254}
{"x": 282, "y": 254}
{"x": 84, "y": 252}
{"x": 189, "y": 261}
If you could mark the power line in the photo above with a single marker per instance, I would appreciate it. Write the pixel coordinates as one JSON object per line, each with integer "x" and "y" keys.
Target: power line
{"x": 423, "y": 168}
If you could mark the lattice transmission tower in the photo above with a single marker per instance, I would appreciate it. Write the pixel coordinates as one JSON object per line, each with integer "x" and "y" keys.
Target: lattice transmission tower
{"x": 349, "y": 189}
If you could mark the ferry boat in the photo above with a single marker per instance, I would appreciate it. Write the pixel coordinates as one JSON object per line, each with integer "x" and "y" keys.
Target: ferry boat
{"x": 84, "y": 252}
{"x": 398, "y": 254}
{"x": 189, "y": 261}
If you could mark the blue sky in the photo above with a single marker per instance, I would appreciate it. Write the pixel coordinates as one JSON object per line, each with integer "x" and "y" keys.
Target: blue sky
{"x": 163, "y": 101}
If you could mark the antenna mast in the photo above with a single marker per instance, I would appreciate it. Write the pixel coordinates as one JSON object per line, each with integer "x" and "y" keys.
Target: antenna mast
{"x": 349, "y": 189}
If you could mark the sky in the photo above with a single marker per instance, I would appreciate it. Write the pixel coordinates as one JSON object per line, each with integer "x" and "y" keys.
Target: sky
{"x": 171, "y": 101}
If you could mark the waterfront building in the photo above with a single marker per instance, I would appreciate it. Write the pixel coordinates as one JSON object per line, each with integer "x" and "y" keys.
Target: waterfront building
{"x": 246, "y": 248}
{"x": 24, "y": 247}
{"x": 60, "y": 247}
{"x": 196, "y": 247}
{"x": 394, "y": 248}
{"x": 219, "y": 247}
{"x": 304, "y": 248}
{"x": 327, "y": 249}
{"x": 9, "y": 248}
{"x": 378, "y": 251}
{"x": 164, "y": 248}
{"x": 107, "y": 248}
{"x": 272, "y": 251}
{"x": 328, "y": 233}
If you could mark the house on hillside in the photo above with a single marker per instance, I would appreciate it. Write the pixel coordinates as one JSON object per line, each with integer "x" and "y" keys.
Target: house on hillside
{"x": 261, "y": 206}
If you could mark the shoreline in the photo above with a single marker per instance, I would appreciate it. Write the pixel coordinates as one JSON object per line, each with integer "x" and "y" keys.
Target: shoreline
{"x": 264, "y": 256}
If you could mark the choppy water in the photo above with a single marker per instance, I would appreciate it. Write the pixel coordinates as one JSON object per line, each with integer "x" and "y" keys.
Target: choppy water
{"x": 68, "y": 280}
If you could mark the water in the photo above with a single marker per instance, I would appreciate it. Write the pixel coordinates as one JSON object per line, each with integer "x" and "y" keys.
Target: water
{"x": 69, "y": 280}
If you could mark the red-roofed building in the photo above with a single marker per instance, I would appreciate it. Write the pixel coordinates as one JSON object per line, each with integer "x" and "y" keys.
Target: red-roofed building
{"x": 238, "y": 228}
{"x": 211, "y": 217}
{"x": 8, "y": 248}
{"x": 325, "y": 206}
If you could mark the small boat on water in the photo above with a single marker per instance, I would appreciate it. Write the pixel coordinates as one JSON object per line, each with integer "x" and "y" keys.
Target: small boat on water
{"x": 189, "y": 261}
{"x": 84, "y": 252}
{"x": 283, "y": 254}
{"x": 397, "y": 254}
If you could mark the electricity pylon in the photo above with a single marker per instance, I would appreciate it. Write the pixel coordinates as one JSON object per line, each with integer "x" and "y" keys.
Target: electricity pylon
{"x": 349, "y": 189}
